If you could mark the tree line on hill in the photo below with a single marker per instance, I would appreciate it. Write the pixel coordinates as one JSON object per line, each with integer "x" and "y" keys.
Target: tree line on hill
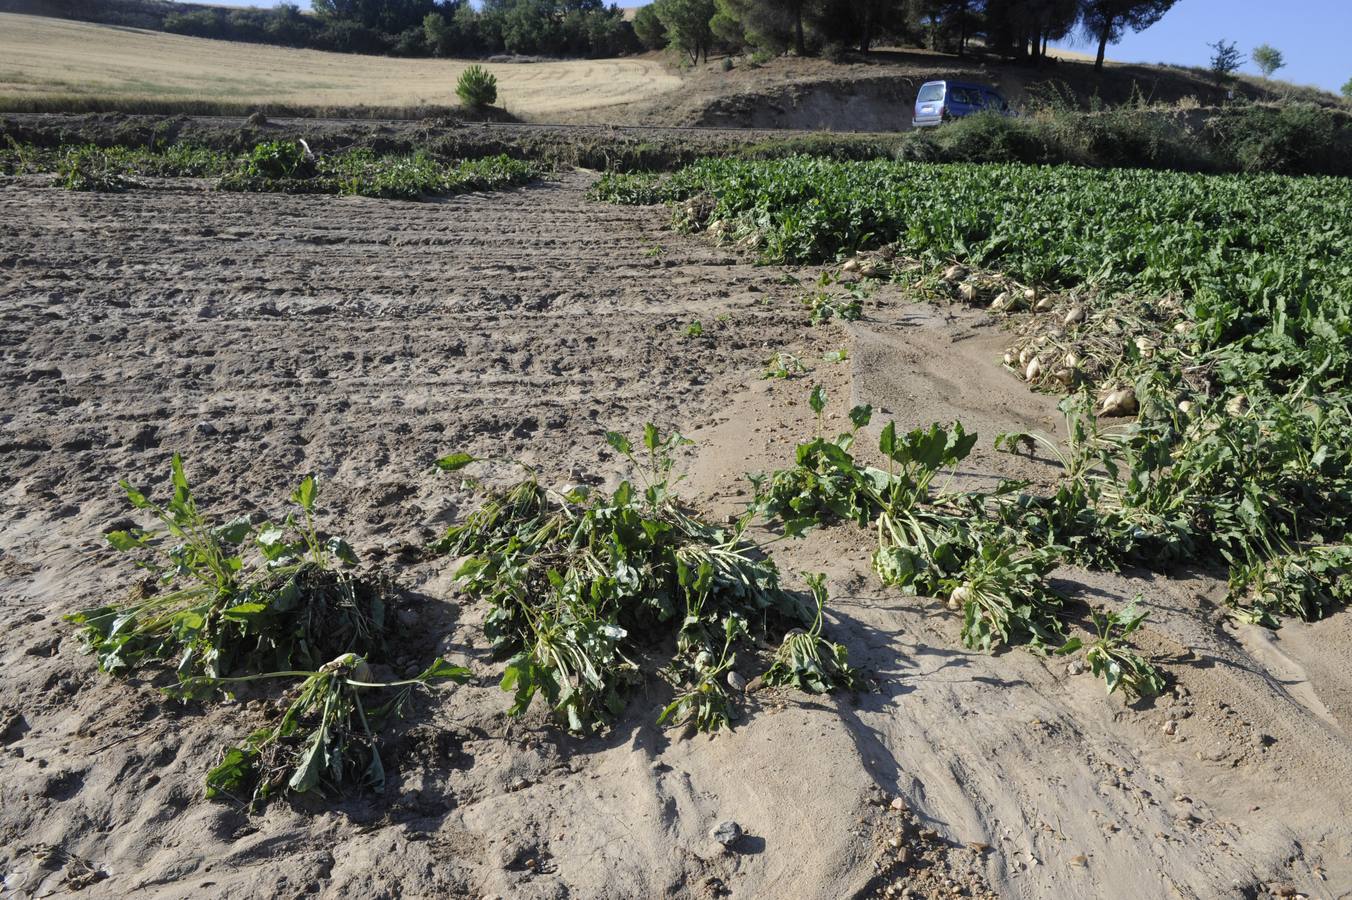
{"x": 1021, "y": 29}
{"x": 580, "y": 28}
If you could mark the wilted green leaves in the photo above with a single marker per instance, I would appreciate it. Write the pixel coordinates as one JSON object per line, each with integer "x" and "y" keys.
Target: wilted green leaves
{"x": 580, "y": 587}
{"x": 1112, "y": 659}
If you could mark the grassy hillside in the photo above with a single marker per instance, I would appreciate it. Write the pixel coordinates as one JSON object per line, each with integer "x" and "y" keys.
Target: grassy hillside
{"x": 54, "y": 63}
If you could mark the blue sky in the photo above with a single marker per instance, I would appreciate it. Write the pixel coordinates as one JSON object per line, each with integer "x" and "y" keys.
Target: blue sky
{"x": 1314, "y": 35}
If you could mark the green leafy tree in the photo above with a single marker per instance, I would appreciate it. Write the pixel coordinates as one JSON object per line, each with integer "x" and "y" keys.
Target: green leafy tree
{"x": 1109, "y": 20}
{"x": 1347, "y": 89}
{"x": 727, "y": 27}
{"x": 469, "y": 25}
{"x": 687, "y": 25}
{"x": 286, "y": 25}
{"x": 437, "y": 33}
{"x": 771, "y": 25}
{"x": 529, "y": 26}
{"x": 652, "y": 34}
{"x": 1268, "y": 59}
{"x": 1021, "y": 27}
{"x": 388, "y": 16}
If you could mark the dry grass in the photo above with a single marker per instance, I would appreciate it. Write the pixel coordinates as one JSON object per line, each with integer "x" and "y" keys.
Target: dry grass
{"x": 53, "y": 61}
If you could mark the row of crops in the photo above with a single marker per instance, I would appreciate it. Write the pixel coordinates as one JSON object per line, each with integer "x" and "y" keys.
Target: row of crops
{"x": 273, "y": 166}
{"x": 1217, "y": 305}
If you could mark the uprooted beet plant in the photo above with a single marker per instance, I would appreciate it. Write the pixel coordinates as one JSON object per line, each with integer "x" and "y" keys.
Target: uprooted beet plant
{"x": 91, "y": 169}
{"x": 326, "y": 735}
{"x": 1263, "y": 491}
{"x": 967, "y": 546}
{"x": 930, "y": 541}
{"x": 1111, "y": 658}
{"x": 234, "y": 596}
{"x": 585, "y": 590}
{"x": 234, "y": 602}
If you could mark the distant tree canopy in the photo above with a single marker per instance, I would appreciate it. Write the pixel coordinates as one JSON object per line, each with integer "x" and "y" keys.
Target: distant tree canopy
{"x": 1109, "y": 20}
{"x": 1021, "y": 29}
{"x": 584, "y": 28}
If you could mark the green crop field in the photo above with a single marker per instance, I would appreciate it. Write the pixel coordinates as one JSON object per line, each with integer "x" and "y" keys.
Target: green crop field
{"x": 1217, "y": 309}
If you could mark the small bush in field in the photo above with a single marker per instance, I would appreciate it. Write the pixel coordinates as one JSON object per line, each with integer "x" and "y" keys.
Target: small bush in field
{"x": 477, "y": 87}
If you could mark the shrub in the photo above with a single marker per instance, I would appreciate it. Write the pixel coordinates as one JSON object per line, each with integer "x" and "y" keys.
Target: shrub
{"x": 1298, "y": 138}
{"x": 477, "y": 87}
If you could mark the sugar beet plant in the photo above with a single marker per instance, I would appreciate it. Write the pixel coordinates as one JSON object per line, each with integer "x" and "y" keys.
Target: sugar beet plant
{"x": 1239, "y": 452}
{"x": 288, "y": 167}
{"x": 273, "y": 166}
{"x": 990, "y": 564}
{"x": 1263, "y": 491}
{"x": 233, "y": 603}
{"x": 1111, "y": 658}
{"x": 929, "y": 542}
{"x": 325, "y": 737}
{"x": 585, "y": 589}
{"x": 234, "y": 596}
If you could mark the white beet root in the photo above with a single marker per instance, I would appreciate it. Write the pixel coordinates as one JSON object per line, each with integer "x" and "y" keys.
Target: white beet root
{"x": 1121, "y": 402}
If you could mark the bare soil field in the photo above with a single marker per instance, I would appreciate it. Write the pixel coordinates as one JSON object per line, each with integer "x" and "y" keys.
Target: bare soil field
{"x": 265, "y": 336}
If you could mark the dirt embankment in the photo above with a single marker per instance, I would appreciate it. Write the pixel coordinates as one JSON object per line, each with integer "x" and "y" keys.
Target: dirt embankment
{"x": 866, "y": 104}
{"x": 265, "y": 336}
{"x": 877, "y": 92}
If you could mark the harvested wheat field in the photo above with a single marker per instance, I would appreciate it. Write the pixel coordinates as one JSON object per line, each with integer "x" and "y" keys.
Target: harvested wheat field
{"x": 80, "y": 61}
{"x": 697, "y": 703}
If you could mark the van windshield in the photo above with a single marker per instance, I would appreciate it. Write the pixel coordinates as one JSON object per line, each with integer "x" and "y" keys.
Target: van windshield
{"x": 931, "y": 92}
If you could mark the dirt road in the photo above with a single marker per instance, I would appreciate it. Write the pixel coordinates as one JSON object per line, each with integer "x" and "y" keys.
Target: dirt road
{"x": 268, "y": 336}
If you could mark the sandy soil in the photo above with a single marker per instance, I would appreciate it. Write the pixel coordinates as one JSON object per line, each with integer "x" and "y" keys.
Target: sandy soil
{"x": 42, "y": 56}
{"x": 265, "y": 336}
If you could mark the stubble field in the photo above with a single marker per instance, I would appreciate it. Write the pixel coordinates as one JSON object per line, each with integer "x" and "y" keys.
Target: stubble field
{"x": 42, "y": 58}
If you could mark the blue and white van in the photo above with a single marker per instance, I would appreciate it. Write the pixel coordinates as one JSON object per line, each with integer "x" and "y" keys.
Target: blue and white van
{"x": 941, "y": 101}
